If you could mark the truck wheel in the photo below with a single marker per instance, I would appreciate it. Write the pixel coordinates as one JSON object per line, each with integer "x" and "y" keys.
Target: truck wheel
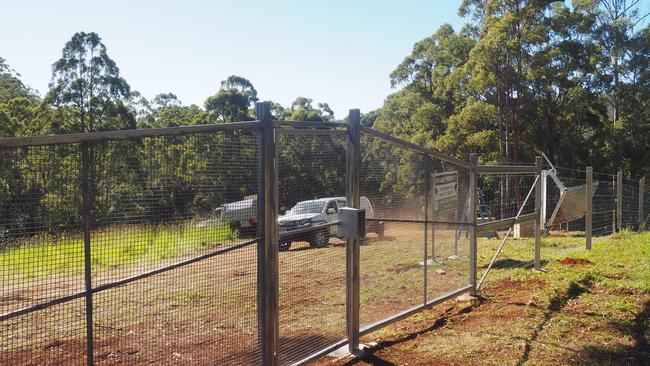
{"x": 234, "y": 229}
{"x": 320, "y": 239}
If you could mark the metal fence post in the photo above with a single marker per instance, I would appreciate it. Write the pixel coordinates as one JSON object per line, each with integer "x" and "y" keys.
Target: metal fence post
{"x": 641, "y": 202}
{"x": 538, "y": 212}
{"x": 352, "y": 245}
{"x": 619, "y": 200}
{"x": 267, "y": 246}
{"x": 589, "y": 207}
{"x": 427, "y": 187}
{"x": 473, "y": 162}
{"x": 544, "y": 179}
{"x": 614, "y": 199}
{"x": 86, "y": 211}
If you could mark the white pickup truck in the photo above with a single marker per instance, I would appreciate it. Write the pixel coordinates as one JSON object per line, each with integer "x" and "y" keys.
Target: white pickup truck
{"x": 307, "y": 221}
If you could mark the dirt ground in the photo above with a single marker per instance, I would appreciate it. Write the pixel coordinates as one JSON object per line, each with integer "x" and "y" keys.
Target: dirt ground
{"x": 205, "y": 313}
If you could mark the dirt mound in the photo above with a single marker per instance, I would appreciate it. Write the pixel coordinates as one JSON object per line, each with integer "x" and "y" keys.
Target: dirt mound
{"x": 568, "y": 261}
{"x": 400, "y": 268}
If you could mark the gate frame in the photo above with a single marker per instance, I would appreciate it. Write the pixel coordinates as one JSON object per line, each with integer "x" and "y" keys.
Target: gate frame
{"x": 510, "y": 222}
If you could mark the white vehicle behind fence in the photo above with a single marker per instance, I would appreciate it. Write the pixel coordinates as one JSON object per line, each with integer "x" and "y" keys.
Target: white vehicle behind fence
{"x": 241, "y": 216}
{"x": 307, "y": 221}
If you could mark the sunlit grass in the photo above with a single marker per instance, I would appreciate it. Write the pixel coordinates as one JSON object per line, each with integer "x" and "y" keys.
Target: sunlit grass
{"x": 591, "y": 313}
{"x": 115, "y": 246}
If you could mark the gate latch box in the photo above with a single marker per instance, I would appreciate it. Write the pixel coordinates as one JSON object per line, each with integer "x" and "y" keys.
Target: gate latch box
{"x": 352, "y": 223}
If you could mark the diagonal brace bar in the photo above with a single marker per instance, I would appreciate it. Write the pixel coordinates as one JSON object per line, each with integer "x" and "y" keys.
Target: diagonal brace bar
{"x": 514, "y": 220}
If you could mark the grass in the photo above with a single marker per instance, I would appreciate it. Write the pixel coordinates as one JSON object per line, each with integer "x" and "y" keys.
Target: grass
{"x": 44, "y": 255}
{"x": 591, "y": 313}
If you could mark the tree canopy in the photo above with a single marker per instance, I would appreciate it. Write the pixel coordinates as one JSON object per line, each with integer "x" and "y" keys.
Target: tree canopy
{"x": 570, "y": 79}
{"x": 525, "y": 77}
{"x": 521, "y": 78}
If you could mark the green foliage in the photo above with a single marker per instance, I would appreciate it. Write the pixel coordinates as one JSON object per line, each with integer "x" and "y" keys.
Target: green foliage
{"x": 526, "y": 77}
{"x": 302, "y": 110}
{"x": 87, "y": 80}
{"x": 232, "y": 101}
{"x": 310, "y": 166}
{"x": 521, "y": 78}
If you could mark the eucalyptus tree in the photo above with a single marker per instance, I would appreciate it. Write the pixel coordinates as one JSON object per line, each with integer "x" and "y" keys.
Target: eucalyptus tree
{"x": 233, "y": 101}
{"x": 620, "y": 35}
{"x": 617, "y": 23}
{"x": 3, "y": 65}
{"x": 433, "y": 87}
{"x": 632, "y": 131}
{"x": 242, "y": 85}
{"x": 310, "y": 166}
{"x": 89, "y": 95}
{"x": 87, "y": 81}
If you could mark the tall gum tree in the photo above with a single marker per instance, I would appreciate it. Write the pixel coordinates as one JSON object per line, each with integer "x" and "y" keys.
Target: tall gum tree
{"x": 87, "y": 81}
{"x": 89, "y": 95}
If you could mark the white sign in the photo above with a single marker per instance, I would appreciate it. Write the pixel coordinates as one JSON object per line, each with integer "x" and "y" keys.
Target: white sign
{"x": 445, "y": 193}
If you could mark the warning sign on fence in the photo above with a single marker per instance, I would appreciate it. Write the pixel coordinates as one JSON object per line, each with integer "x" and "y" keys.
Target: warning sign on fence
{"x": 445, "y": 193}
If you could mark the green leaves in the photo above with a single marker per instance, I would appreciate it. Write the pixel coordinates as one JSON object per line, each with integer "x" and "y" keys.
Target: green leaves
{"x": 87, "y": 80}
{"x": 525, "y": 77}
{"x": 232, "y": 102}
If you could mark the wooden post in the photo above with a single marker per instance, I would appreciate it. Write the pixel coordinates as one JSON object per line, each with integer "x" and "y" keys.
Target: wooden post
{"x": 473, "y": 163}
{"x": 267, "y": 246}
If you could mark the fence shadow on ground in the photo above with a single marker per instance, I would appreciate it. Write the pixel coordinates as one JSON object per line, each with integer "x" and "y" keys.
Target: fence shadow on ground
{"x": 372, "y": 359}
{"x": 508, "y": 263}
{"x": 636, "y": 354}
{"x": 575, "y": 290}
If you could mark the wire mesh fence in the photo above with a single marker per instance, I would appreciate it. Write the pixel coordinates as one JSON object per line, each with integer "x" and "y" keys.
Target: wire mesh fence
{"x": 142, "y": 249}
{"x": 312, "y": 261}
{"x": 149, "y": 247}
{"x": 645, "y": 211}
{"x": 616, "y": 204}
{"x": 503, "y": 197}
{"x": 604, "y": 204}
{"x": 42, "y": 254}
{"x": 159, "y": 269}
{"x": 417, "y": 251}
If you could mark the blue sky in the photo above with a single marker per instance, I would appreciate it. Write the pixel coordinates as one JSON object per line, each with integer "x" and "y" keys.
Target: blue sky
{"x": 339, "y": 52}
